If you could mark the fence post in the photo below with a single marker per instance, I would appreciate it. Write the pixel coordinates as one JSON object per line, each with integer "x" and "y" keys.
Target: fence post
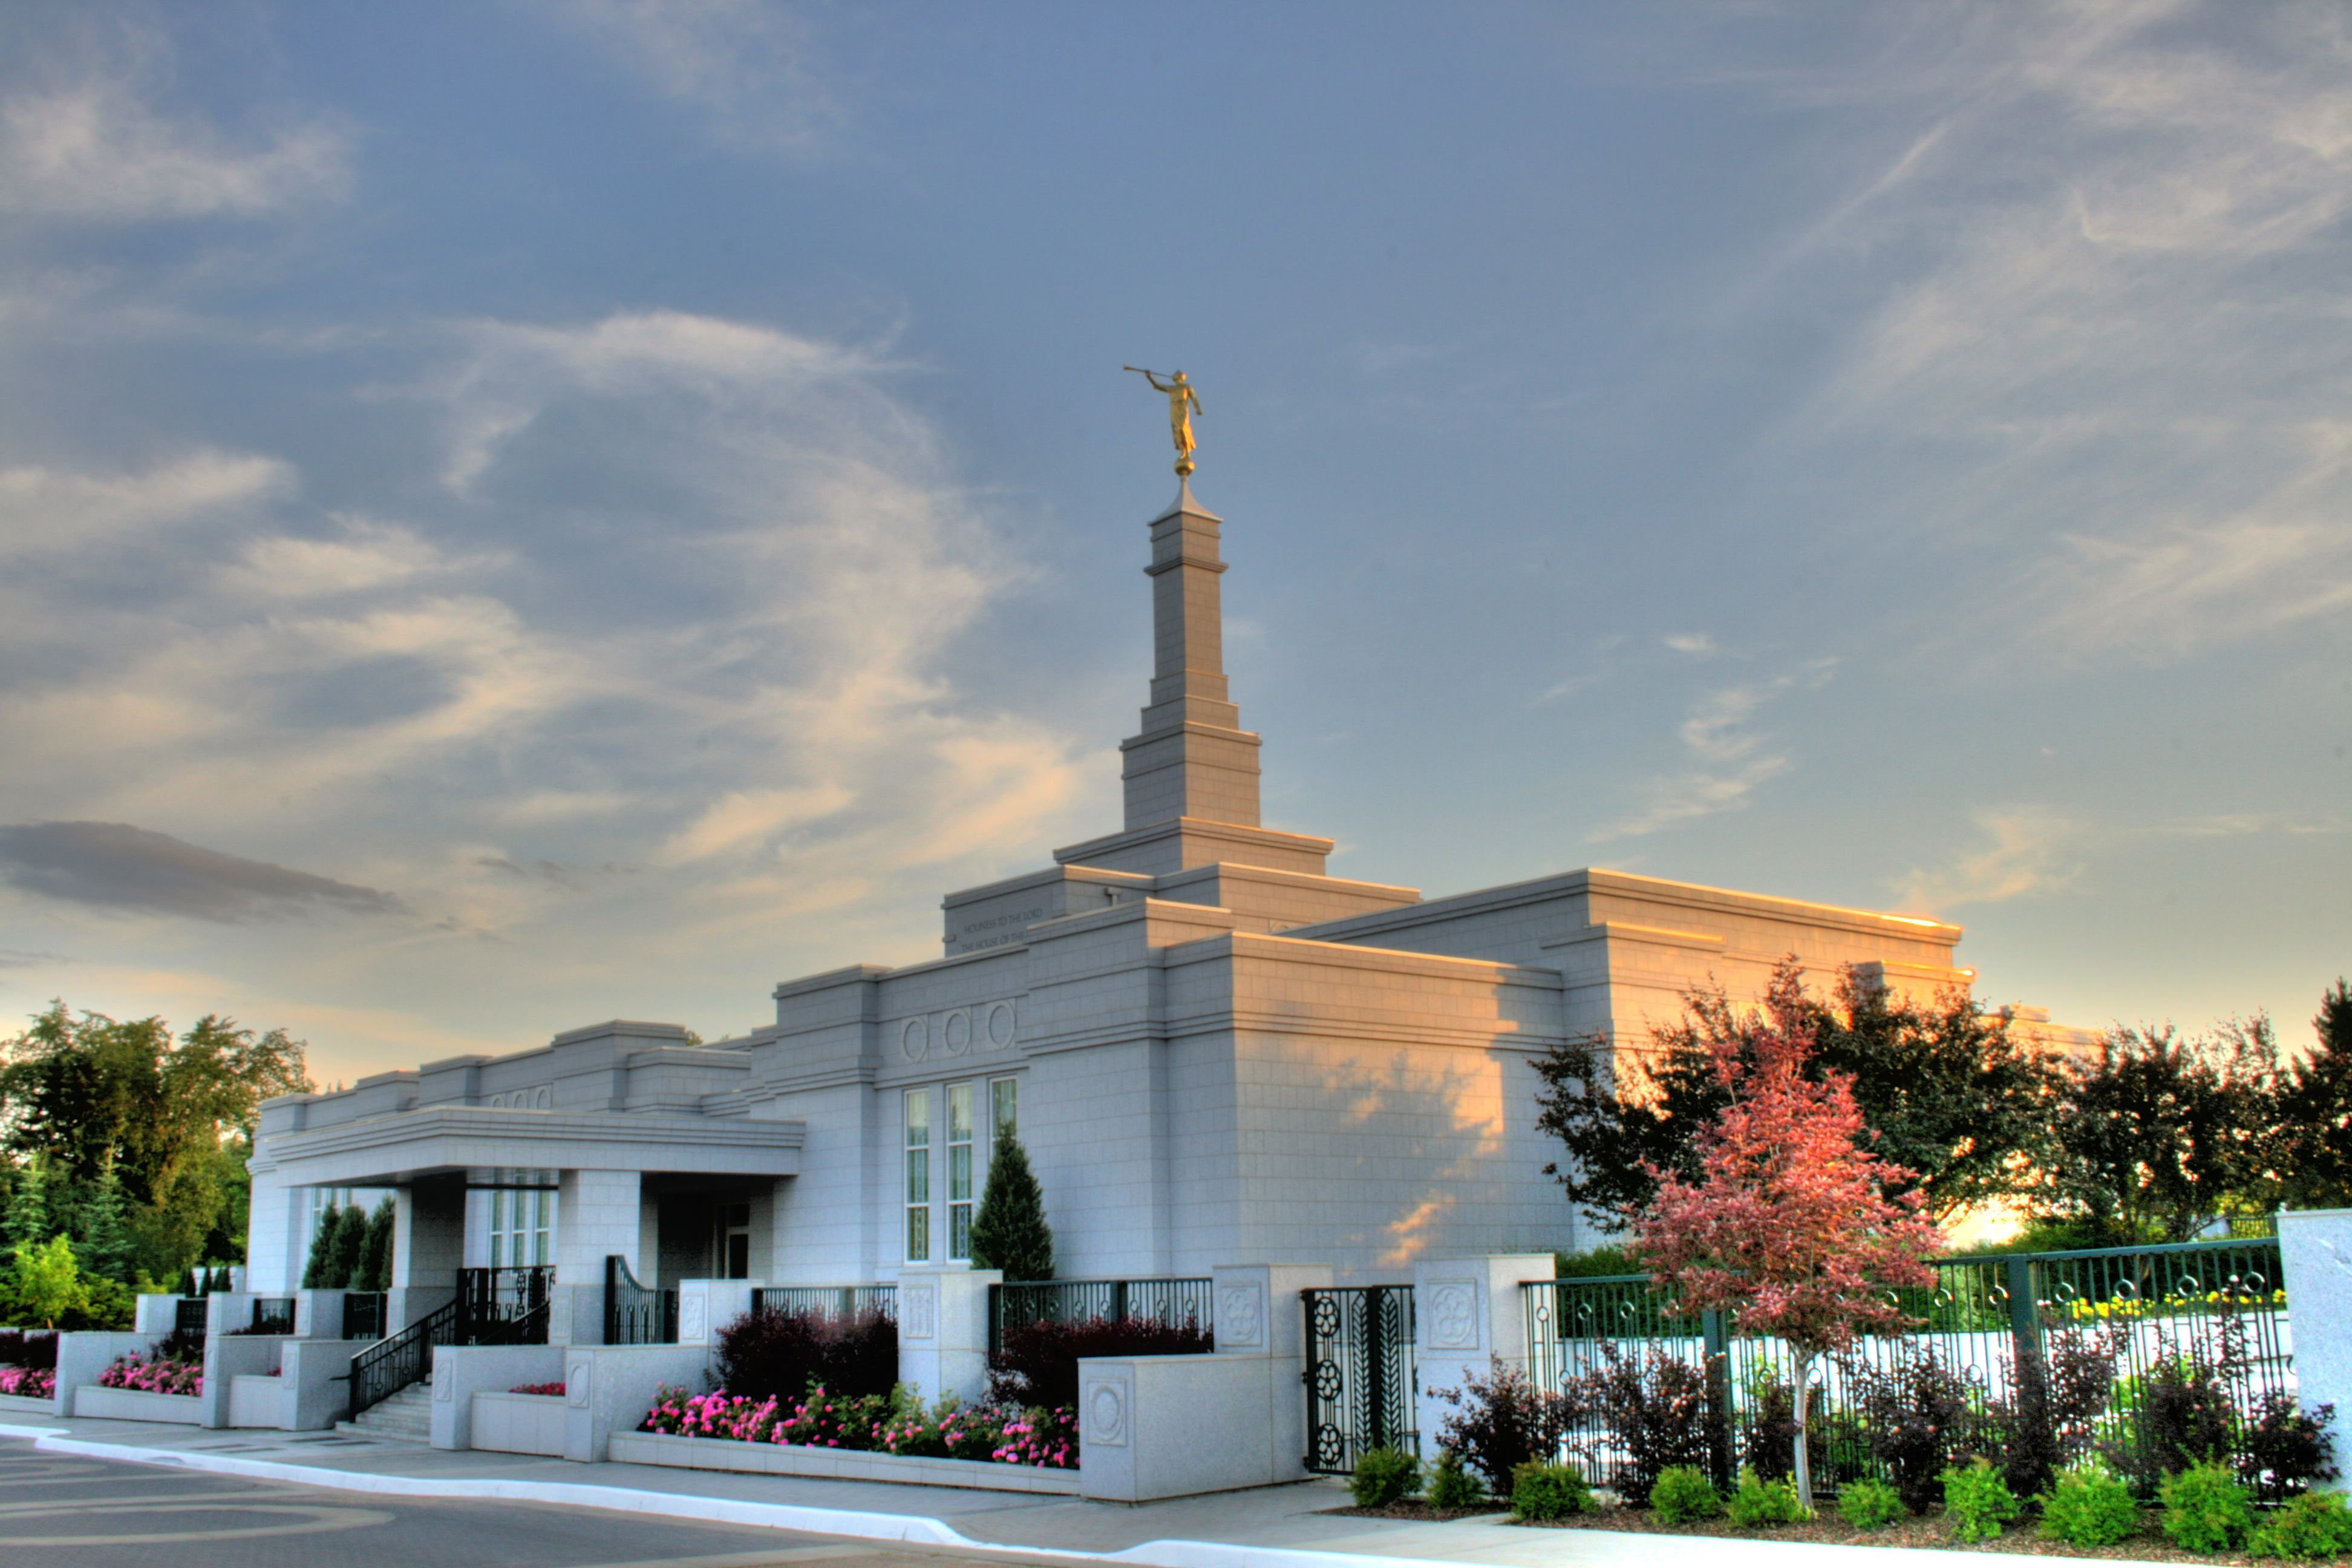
{"x": 1715, "y": 1348}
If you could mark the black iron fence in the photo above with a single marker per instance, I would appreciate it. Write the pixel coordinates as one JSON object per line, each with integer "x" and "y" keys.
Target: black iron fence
{"x": 635, "y": 1315}
{"x": 363, "y": 1314}
{"x": 837, "y": 1301}
{"x": 503, "y": 1306}
{"x": 189, "y": 1315}
{"x": 2215, "y": 1309}
{"x": 272, "y": 1315}
{"x": 1362, "y": 1383}
{"x": 1175, "y": 1302}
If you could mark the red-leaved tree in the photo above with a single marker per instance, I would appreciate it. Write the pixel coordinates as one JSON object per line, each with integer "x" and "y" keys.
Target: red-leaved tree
{"x": 1789, "y": 1229}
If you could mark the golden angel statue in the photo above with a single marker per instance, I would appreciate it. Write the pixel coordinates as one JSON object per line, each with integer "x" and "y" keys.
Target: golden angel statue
{"x": 1182, "y": 404}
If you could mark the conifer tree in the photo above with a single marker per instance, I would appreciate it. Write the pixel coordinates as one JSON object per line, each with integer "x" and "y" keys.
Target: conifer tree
{"x": 102, "y": 1243}
{"x": 27, "y": 1223}
{"x": 375, "y": 1256}
{"x": 1009, "y": 1232}
{"x": 322, "y": 1251}
{"x": 349, "y": 1240}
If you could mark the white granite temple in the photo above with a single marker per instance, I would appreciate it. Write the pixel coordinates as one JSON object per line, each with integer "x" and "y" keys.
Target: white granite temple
{"x": 1215, "y": 1051}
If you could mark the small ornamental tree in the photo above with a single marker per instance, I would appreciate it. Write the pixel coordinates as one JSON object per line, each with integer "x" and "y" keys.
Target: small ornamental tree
{"x": 1009, "y": 1232}
{"x": 350, "y": 1239}
{"x": 1788, "y": 1226}
{"x": 323, "y": 1253}
{"x": 375, "y": 1272}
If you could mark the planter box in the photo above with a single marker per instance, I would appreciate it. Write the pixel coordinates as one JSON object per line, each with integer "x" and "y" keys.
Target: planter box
{"x": 520, "y": 1424}
{"x": 837, "y": 1464}
{"x": 257, "y": 1400}
{"x": 18, "y": 1404}
{"x": 136, "y": 1405}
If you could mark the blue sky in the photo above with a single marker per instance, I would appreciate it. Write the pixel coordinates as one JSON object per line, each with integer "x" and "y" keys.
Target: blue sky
{"x": 514, "y": 514}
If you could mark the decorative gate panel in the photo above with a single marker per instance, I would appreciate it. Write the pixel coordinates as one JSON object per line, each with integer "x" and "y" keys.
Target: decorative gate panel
{"x": 1361, "y": 1379}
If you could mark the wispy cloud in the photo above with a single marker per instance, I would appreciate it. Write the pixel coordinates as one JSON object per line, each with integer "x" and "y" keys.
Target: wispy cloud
{"x": 751, "y": 71}
{"x": 1690, "y": 642}
{"x": 1731, "y": 756}
{"x": 50, "y": 511}
{"x": 119, "y": 867}
{"x": 99, "y": 147}
{"x": 2021, "y": 850}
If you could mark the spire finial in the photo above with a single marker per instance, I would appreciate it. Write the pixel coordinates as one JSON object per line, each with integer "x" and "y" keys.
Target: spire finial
{"x": 1182, "y": 404}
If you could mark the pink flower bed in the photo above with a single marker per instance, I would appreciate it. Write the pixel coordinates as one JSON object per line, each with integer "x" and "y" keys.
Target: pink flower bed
{"x": 876, "y": 1424}
{"x": 136, "y": 1372}
{"x": 30, "y": 1381}
{"x": 554, "y": 1388}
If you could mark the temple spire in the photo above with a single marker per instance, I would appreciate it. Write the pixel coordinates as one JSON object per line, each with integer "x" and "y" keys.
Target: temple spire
{"x": 1191, "y": 758}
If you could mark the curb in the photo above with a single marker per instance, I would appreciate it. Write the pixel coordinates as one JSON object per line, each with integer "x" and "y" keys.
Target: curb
{"x": 846, "y": 1522}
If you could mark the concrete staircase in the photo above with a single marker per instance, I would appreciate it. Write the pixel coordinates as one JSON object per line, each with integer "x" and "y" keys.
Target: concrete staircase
{"x": 405, "y": 1417}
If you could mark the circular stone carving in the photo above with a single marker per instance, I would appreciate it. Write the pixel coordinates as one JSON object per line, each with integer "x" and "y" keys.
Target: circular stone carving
{"x": 956, "y": 1032}
{"x": 917, "y": 1041}
{"x": 1106, "y": 1415}
{"x": 1000, "y": 1025}
{"x": 575, "y": 1385}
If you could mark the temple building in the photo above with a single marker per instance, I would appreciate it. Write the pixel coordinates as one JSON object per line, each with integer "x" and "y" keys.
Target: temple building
{"x": 1216, "y": 1052}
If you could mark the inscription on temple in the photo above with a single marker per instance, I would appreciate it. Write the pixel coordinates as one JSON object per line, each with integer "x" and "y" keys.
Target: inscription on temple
{"x": 996, "y": 931}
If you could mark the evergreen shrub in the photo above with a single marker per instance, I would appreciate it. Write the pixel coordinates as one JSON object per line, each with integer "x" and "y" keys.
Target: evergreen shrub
{"x": 1682, "y": 1493}
{"x": 2089, "y": 1505}
{"x": 1760, "y": 1502}
{"x": 1977, "y": 1500}
{"x": 1384, "y": 1476}
{"x": 1870, "y": 1504}
{"x": 1541, "y": 1491}
{"x": 2314, "y": 1525}
{"x": 1009, "y": 1232}
{"x": 1452, "y": 1485}
{"x": 2205, "y": 1509}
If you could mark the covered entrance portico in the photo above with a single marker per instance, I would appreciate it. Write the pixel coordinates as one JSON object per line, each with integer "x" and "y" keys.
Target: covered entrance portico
{"x": 513, "y": 1212}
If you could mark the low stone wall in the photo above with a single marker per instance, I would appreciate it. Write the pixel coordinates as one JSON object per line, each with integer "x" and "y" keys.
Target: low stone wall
{"x": 256, "y": 1399}
{"x": 18, "y": 1404}
{"x": 229, "y": 1359}
{"x": 519, "y": 1423}
{"x": 318, "y": 1378}
{"x": 462, "y": 1372}
{"x": 83, "y": 1356}
{"x": 137, "y": 1405}
{"x": 837, "y": 1464}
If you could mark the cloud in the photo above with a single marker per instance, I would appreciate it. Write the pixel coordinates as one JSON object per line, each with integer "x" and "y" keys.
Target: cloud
{"x": 96, "y": 150}
{"x": 2024, "y": 849}
{"x": 364, "y": 556}
{"x": 1690, "y": 642}
{"x": 47, "y": 511}
{"x": 1731, "y": 757}
{"x": 116, "y": 866}
{"x": 2094, "y": 267}
{"x": 748, "y": 70}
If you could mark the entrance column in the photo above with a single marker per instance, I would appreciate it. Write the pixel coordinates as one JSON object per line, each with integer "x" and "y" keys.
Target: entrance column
{"x": 598, "y": 1214}
{"x": 428, "y": 1247}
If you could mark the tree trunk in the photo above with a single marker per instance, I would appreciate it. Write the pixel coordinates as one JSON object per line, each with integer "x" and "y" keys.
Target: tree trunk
{"x": 1801, "y": 1393}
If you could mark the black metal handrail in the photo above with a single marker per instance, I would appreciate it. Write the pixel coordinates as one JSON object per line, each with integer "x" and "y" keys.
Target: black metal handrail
{"x": 836, "y": 1301}
{"x": 391, "y": 1364}
{"x": 635, "y": 1314}
{"x": 1075, "y": 1300}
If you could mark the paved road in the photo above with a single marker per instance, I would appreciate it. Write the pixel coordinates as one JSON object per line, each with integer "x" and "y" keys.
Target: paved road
{"x": 61, "y": 1510}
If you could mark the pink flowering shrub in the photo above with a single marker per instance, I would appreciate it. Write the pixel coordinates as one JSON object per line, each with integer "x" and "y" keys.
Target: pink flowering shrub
{"x": 161, "y": 1375}
{"x": 30, "y": 1381}
{"x": 893, "y": 1423}
{"x": 554, "y": 1388}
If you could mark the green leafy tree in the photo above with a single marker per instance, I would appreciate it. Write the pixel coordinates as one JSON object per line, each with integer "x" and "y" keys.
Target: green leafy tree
{"x": 322, "y": 1250}
{"x": 2160, "y": 1134}
{"x": 1946, "y": 1092}
{"x": 2315, "y": 1113}
{"x": 1009, "y": 1232}
{"x": 375, "y": 1253}
{"x": 48, "y": 1284}
{"x": 88, "y": 1097}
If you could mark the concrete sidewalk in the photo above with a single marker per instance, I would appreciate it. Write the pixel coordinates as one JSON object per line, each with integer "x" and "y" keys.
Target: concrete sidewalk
{"x": 1276, "y": 1526}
